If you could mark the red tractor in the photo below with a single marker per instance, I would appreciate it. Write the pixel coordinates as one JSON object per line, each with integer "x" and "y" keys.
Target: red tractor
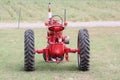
{"x": 56, "y": 49}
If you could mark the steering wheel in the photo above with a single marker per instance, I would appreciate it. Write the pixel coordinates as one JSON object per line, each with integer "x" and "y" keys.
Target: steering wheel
{"x": 58, "y": 18}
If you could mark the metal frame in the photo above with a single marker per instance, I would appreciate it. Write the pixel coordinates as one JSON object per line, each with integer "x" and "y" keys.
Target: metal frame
{"x": 56, "y": 46}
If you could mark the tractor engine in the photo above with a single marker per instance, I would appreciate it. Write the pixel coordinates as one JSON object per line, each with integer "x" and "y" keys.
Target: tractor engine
{"x": 56, "y": 42}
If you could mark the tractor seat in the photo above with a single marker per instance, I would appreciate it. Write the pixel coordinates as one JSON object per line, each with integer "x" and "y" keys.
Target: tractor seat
{"x": 56, "y": 28}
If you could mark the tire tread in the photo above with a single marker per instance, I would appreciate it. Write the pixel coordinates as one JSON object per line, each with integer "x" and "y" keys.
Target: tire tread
{"x": 29, "y": 50}
{"x": 84, "y": 45}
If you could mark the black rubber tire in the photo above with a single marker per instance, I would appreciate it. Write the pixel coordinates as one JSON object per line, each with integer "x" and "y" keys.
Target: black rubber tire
{"x": 62, "y": 58}
{"x": 29, "y": 62}
{"x": 84, "y": 46}
{"x": 44, "y": 57}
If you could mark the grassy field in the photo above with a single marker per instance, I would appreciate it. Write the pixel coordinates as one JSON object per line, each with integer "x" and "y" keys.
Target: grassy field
{"x": 77, "y": 10}
{"x": 105, "y": 56}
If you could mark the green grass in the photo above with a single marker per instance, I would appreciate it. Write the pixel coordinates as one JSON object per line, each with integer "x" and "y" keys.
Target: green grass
{"x": 105, "y": 56}
{"x": 77, "y": 10}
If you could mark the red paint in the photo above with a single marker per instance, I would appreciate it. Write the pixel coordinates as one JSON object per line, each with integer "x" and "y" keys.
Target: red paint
{"x": 56, "y": 47}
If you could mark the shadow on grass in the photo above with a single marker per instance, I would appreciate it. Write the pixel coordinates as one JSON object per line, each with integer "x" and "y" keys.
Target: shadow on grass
{"x": 64, "y": 66}
{"x": 44, "y": 66}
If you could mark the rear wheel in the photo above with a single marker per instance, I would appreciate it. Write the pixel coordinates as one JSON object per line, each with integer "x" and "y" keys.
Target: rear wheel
{"x": 84, "y": 46}
{"x": 29, "y": 51}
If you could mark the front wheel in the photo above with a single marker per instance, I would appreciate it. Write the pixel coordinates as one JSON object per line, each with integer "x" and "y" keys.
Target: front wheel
{"x": 52, "y": 59}
{"x": 29, "y": 61}
{"x": 84, "y": 46}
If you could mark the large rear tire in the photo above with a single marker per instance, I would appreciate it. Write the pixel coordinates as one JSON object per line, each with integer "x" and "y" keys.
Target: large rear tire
{"x": 84, "y": 46}
{"x": 29, "y": 61}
